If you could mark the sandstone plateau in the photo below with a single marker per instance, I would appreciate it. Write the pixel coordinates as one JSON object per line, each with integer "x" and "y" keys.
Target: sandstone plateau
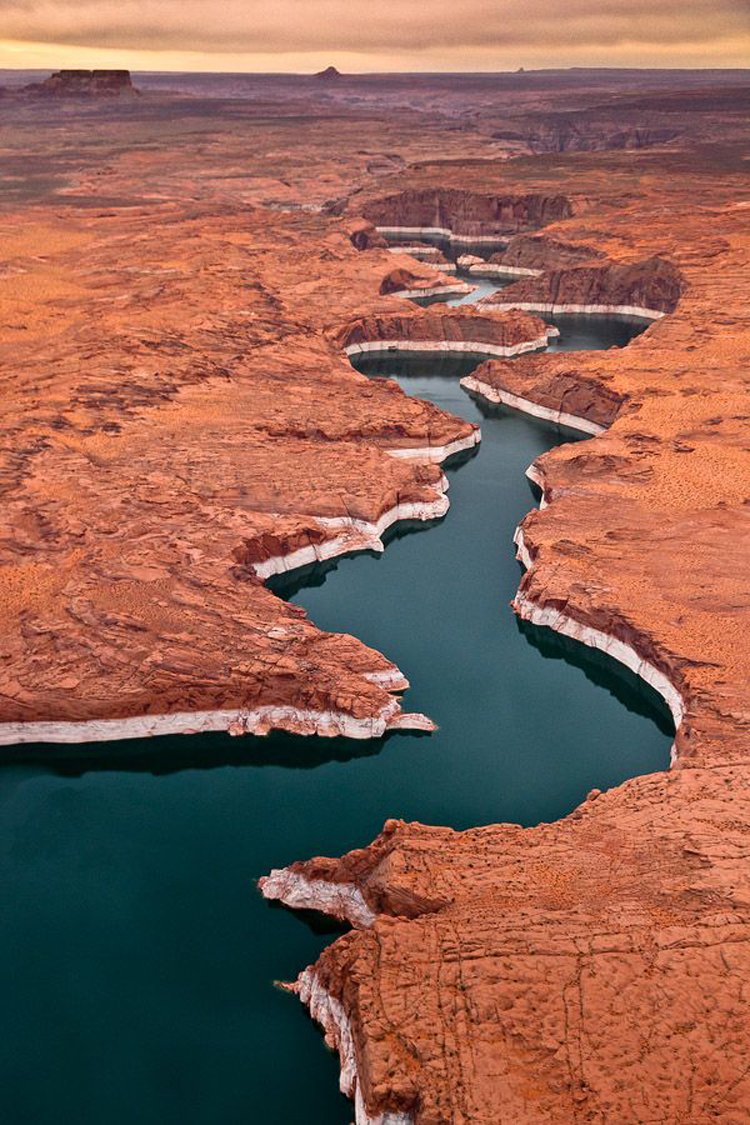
{"x": 180, "y": 421}
{"x": 83, "y": 84}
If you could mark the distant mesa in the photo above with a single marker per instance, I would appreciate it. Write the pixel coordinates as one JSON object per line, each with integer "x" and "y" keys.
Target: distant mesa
{"x": 84, "y": 83}
{"x": 330, "y": 74}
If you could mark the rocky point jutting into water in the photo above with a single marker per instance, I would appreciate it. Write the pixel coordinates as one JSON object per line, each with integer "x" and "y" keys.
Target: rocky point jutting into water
{"x": 181, "y": 421}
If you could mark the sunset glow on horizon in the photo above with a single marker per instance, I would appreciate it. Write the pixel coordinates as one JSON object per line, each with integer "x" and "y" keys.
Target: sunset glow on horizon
{"x": 438, "y": 35}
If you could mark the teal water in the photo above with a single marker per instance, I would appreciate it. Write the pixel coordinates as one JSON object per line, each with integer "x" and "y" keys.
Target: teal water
{"x": 136, "y": 957}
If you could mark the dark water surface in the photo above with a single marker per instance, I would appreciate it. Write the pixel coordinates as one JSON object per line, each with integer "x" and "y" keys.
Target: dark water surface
{"x": 136, "y": 957}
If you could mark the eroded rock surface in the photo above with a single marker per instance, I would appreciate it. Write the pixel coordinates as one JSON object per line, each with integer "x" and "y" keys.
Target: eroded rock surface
{"x": 591, "y": 970}
{"x": 177, "y": 413}
{"x": 541, "y": 252}
{"x": 216, "y": 434}
{"x": 465, "y": 212}
{"x": 653, "y": 285}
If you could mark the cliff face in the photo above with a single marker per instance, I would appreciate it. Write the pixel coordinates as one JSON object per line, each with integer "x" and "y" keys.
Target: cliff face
{"x": 543, "y": 252}
{"x": 467, "y": 212}
{"x": 579, "y": 133}
{"x": 84, "y": 84}
{"x": 449, "y": 326}
{"x": 654, "y": 284}
{"x": 559, "y": 384}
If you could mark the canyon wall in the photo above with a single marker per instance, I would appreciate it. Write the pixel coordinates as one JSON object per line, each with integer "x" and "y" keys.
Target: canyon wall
{"x": 652, "y": 286}
{"x": 466, "y": 212}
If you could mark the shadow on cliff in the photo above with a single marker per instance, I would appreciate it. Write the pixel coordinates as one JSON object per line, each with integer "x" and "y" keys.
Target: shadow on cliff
{"x": 288, "y": 585}
{"x": 315, "y": 920}
{"x": 604, "y": 671}
{"x": 174, "y": 753}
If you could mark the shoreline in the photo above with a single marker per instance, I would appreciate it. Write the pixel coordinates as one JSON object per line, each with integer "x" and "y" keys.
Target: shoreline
{"x": 396, "y": 347}
{"x": 363, "y": 536}
{"x": 495, "y": 269}
{"x": 528, "y": 406}
{"x": 339, "y": 900}
{"x": 329, "y": 1014}
{"x": 549, "y": 308}
{"x": 236, "y": 721}
{"x": 559, "y": 622}
{"x": 445, "y": 233}
{"x": 458, "y": 289}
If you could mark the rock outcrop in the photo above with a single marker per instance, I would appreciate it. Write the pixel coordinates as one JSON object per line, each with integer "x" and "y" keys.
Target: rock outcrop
{"x": 407, "y": 283}
{"x": 84, "y": 84}
{"x": 453, "y": 329}
{"x": 565, "y": 390}
{"x": 330, "y": 74}
{"x": 364, "y": 236}
{"x": 649, "y": 287}
{"x": 465, "y": 213}
{"x": 530, "y": 255}
{"x": 544, "y": 252}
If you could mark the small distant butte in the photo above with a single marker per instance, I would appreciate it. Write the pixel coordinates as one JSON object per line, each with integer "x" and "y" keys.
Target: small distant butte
{"x": 330, "y": 74}
{"x": 84, "y": 83}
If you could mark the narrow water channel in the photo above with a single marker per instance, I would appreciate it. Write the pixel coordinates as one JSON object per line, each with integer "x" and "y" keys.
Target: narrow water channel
{"x": 137, "y": 959}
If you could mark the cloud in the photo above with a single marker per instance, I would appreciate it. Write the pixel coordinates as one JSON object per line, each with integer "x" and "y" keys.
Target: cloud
{"x": 376, "y": 26}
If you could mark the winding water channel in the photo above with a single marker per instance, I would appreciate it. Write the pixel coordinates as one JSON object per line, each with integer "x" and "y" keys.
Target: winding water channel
{"x": 136, "y": 958}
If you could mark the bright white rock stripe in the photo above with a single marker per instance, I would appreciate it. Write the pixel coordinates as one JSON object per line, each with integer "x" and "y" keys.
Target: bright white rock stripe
{"x": 580, "y": 310}
{"x": 560, "y": 417}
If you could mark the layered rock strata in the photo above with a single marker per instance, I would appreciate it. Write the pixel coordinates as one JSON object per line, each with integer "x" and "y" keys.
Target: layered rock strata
{"x": 459, "y": 215}
{"x": 646, "y": 289}
{"x": 403, "y": 282}
{"x": 450, "y": 330}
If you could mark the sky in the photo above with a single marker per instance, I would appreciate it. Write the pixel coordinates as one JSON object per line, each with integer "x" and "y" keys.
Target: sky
{"x": 372, "y": 35}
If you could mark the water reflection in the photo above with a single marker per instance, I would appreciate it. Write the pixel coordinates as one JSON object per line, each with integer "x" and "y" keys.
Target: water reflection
{"x": 603, "y": 671}
{"x": 170, "y": 754}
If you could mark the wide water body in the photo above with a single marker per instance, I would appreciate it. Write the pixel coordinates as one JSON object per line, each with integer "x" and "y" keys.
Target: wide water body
{"x": 137, "y": 958}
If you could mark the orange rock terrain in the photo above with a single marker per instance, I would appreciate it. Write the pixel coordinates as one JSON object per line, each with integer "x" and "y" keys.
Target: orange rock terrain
{"x": 179, "y": 419}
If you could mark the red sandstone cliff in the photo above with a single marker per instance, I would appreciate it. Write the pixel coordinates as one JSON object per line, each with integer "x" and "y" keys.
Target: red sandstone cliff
{"x": 467, "y": 212}
{"x": 655, "y": 284}
{"x": 544, "y": 252}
